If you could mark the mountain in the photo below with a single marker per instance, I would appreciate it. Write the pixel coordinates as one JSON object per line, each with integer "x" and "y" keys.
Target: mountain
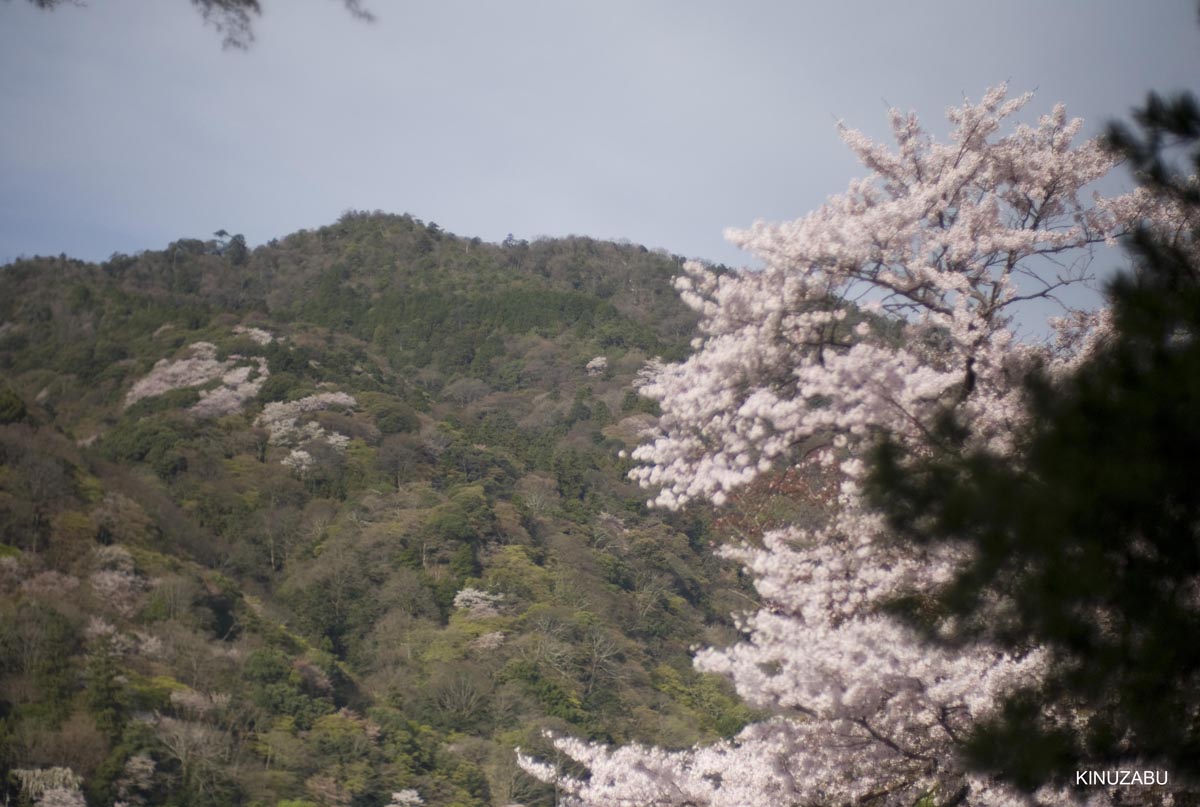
{"x": 340, "y": 520}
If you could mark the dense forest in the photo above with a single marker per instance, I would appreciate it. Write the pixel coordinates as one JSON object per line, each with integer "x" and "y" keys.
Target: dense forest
{"x": 343, "y": 520}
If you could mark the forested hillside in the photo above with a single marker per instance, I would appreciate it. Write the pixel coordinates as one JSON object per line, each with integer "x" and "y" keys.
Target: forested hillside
{"x": 340, "y": 520}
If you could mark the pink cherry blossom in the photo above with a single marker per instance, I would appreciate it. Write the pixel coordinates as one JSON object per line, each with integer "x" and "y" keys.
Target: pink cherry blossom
{"x": 883, "y": 308}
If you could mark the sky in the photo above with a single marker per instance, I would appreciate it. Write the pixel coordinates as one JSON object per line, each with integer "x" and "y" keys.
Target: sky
{"x": 125, "y": 125}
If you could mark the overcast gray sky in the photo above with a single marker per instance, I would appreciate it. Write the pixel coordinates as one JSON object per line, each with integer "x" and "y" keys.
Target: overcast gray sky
{"x": 124, "y": 125}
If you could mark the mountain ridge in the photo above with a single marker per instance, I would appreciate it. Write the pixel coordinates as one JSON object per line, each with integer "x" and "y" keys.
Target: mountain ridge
{"x": 341, "y": 516}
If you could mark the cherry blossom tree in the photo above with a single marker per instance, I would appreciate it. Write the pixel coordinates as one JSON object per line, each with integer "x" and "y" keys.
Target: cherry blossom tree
{"x": 889, "y": 306}
{"x": 50, "y": 787}
{"x": 1092, "y": 553}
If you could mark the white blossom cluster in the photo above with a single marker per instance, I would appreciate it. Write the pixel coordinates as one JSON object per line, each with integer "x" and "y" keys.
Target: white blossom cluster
{"x": 596, "y": 366}
{"x": 200, "y": 367}
{"x": 299, "y": 461}
{"x": 116, "y": 581}
{"x": 282, "y": 419}
{"x": 50, "y": 787}
{"x": 941, "y": 244}
{"x": 136, "y": 780}
{"x": 100, "y": 631}
{"x": 199, "y": 703}
{"x": 406, "y": 798}
{"x": 240, "y": 382}
{"x": 478, "y": 604}
{"x": 48, "y": 583}
{"x": 256, "y": 335}
{"x": 238, "y": 387}
{"x": 61, "y": 797}
{"x": 488, "y": 641}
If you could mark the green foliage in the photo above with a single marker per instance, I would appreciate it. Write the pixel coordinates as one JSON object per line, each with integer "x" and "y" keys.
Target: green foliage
{"x": 280, "y": 689}
{"x": 632, "y": 402}
{"x": 12, "y": 408}
{"x": 707, "y": 698}
{"x": 172, "y": 400}
{"x": 287, "y": 358}
{"x": 464, "y": 562}
{"x": 570, "y": 469}
{"x": 326, "y": 659}
{"x": 513, "y": 572}
{"x": 104, "y": 693}
{"x": 154, "y": 441}
{"x": 236, "y": 251}
{"x": 466, "y": 463}
{"x": 281, "y": 386}
{"x": 466, "y": 517}
{"x": 38, "y": 642}
{"x": 616, "y": 571}
{"x": 552, "y": 695}
{"x": 150, "y": 694}
{"x": 394, "y": 417}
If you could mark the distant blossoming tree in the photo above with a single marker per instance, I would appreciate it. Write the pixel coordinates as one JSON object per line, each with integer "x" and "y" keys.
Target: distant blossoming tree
{"x": 239, "y": 382}
{"x": 406, "y": 798}
{"x": 886, "y": 307}
{"x": 50, "y": 787}
{"x": 478, "y": 604}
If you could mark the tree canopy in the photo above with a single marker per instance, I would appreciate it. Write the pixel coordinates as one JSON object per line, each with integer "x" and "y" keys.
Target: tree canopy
{"x": 233, "y": 19}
